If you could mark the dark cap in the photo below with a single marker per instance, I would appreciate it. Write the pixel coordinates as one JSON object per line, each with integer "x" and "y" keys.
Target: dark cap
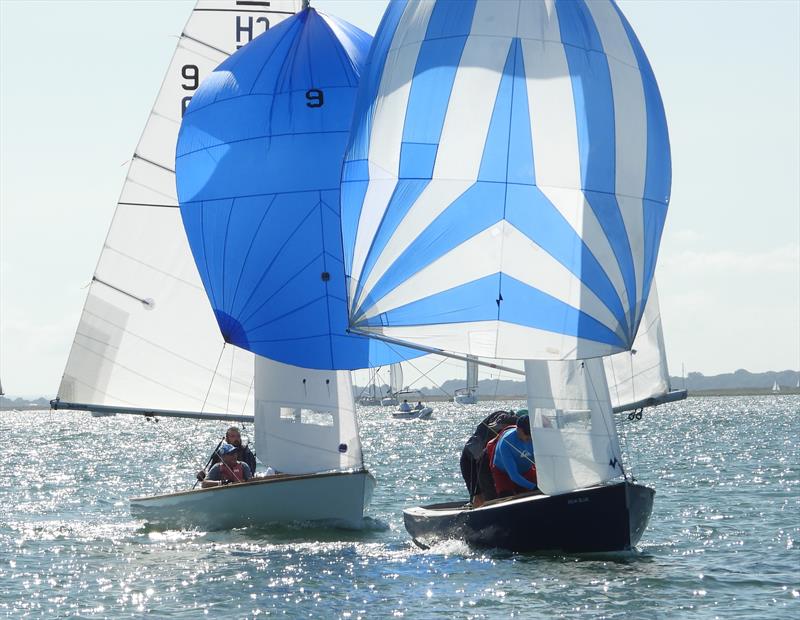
{"x": 524, "y": 423}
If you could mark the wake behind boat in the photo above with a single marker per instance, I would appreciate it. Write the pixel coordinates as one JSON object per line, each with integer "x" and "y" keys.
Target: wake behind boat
{"x": 336, "y": 498}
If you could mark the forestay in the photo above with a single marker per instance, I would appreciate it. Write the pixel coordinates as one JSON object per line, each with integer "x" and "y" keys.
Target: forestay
{"x": 640, "y": 377}
{"x": 258, "y": 169}
{"x": 507, "y": 179}
{"x": 305, "y": 419}
{"x": 147, "y": 337}
{"x": 575, "y": 441}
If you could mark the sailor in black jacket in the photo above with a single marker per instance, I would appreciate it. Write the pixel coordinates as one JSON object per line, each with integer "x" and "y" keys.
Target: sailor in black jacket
{"x": 471, "y": 454}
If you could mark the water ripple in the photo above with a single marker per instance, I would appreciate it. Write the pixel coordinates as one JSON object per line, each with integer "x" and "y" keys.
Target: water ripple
{"x": 723, "y": 540}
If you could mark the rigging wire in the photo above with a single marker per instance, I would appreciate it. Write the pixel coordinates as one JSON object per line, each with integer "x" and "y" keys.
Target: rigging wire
{"x": 230, "y": 381}
{"x": 422, "y": 373}
{"x": 205, "y": 400}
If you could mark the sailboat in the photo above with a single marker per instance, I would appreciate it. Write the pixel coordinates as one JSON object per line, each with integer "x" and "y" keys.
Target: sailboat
{"x": 776, "y": 387}
{"x": 149, "y": 335}
{"x": 468, "y": 395}
{"x": 395, "y": 385}
{"x": 370, "y": 396}
{"x": 503, "y": 197}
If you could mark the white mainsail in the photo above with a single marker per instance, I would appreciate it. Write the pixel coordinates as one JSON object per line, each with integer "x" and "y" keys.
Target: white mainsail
{"x": 574, "y": 437}
{"x": 305, "y": 419}
{"x": 395, "y": 378}
{"x": 472, "y": 377}
{"x": 147, "y": 336}
{"x": 640, "y": 377}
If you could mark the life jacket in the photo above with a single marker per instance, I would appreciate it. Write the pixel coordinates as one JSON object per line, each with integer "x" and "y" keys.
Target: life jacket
{"x": 502, "y": 481}
{"x": 232, "y": 474}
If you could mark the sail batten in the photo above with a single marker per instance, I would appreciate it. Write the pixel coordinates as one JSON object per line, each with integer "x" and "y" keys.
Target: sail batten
{"x": 525, "y": 136}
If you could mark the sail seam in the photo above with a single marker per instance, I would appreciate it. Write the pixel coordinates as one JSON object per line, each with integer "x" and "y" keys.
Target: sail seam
{"x": 145, "y": 340}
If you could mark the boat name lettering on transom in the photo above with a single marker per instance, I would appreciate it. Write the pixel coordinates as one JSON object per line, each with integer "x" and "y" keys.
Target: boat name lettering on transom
{"x": 578, "y": 500}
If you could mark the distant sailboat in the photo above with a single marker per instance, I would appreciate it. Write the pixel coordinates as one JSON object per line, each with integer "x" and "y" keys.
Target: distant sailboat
{"x": 776, "y": 387}
{"x": 468, "y": 395}
{"x": 370, "y": 396}
{"x": 395, "y": 385}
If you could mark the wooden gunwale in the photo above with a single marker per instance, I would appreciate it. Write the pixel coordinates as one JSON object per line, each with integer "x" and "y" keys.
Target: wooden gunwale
{"x": 265, "y": 480}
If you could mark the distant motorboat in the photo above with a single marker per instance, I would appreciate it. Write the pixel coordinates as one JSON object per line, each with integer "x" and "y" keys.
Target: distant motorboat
{"x": 414, "y": 414}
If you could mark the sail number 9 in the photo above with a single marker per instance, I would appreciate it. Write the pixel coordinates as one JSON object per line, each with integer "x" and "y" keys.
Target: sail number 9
{"x": 191, "y": 75}
{"x": 315, "y": 98}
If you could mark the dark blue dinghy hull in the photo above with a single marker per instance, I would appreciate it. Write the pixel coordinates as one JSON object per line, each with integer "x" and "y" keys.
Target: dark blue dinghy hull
{"x": 605, "y": 518}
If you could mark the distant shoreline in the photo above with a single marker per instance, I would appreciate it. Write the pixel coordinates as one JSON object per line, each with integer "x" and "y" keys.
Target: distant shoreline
{"x": 522, "y": 397}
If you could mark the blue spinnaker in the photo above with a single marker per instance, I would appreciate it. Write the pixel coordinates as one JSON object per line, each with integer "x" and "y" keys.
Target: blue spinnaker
{"x": 507, "y": 179}
{"x": 258, "y": 168}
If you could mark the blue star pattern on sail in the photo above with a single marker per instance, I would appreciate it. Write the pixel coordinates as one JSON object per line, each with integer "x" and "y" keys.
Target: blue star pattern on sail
{"x": 507, "y": 179}
{"x": 258, "y": 167}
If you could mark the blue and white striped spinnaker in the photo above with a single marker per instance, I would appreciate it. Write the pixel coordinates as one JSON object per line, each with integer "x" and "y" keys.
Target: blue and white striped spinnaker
{"x": 258, "y": 167}
{"x": 507, "y": 179}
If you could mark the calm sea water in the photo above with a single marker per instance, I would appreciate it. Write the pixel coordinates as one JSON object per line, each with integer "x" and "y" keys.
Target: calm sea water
{"x": 723, "y": 541}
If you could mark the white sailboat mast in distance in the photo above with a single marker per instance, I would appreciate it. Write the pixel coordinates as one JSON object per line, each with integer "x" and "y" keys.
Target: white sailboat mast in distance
{"x": 469, "y": 395}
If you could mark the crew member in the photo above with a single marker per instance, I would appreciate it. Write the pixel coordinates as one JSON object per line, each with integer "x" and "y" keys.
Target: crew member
{"x": 512, "y": 464}
{"x": 489, "y": 428}
{"x": 229, "y": 470}
{"x": 243, "y": 453}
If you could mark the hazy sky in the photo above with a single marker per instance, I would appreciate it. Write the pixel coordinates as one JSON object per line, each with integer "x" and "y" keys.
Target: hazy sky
{"x": 78, "y": 80}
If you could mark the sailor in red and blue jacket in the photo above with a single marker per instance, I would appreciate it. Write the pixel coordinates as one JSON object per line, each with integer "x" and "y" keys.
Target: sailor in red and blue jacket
{"x": 512, "y": 464}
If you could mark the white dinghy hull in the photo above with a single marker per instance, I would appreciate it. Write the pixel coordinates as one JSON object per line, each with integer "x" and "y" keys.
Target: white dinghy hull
{"x": 336, "y": 498}
{"x": 415, "y": 414}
